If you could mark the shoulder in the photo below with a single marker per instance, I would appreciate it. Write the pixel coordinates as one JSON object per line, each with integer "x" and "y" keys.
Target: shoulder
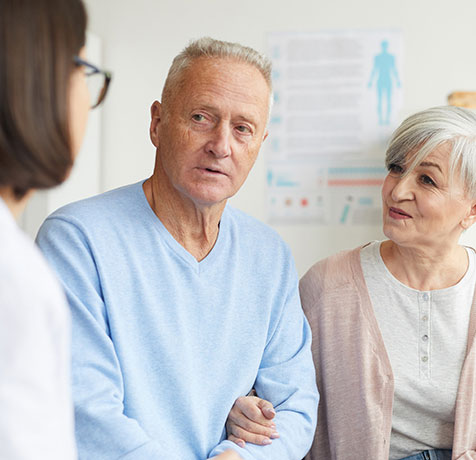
{"x": 332, "y": 289}
{"x": 95, "y": 216}
{"x": 253, "y": 231}
{"x": 27, "y": 283}
{"x": 101, "y": 207}
{"x": 332, "y": 273}
{"x": 257, "y": 245}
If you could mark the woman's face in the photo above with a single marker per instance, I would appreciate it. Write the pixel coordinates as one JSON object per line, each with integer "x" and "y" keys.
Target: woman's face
{"x": 79, "y": 105}
{"x": 425, "y": 208}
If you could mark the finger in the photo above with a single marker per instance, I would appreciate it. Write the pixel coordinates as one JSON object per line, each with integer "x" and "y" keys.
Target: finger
{"x": 267, "y": 409}
{"x": 236, "y": 412}
{"x": 249, "y": 407}
{"x": 239, "y": 442}
{"x": 246, "y": 424}
{"x": 252, "y": 438}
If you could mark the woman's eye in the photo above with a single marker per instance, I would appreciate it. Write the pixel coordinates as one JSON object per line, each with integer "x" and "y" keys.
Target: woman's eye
{"x": 395, "y": 169}
{"x": 198, "y": 117}
{"x": 427, "y": 180}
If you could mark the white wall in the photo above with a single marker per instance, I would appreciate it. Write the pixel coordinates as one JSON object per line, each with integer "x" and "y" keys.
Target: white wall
{"x": 140, "y": 39}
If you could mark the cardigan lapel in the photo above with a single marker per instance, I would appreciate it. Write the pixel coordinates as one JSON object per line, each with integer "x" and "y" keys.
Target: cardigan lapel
{"x": 464, "y": 438}
{"x": 380, "y": 349}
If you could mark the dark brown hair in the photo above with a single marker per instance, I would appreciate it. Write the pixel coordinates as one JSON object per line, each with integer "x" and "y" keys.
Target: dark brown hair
{"x": 38, "y": 39}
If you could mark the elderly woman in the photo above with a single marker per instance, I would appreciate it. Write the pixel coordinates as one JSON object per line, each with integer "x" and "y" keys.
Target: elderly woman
{"x": 393, "y": 321}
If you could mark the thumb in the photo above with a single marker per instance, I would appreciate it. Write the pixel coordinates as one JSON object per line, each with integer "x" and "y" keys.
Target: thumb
{"x": 267, "y": 409}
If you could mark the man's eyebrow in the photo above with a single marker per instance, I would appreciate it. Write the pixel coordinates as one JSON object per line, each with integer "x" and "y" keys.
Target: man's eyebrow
{"x": 199, "y": 106}
{"x": 250, "y": 118}
{"x": 431, "y": 164}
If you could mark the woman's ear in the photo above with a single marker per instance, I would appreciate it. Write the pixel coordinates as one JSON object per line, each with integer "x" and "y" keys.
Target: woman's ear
{"x": 469, "y": 220}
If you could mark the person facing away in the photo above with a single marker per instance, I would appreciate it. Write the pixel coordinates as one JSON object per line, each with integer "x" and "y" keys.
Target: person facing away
{"x": 181, "y": 303}
{"x": 400, "y": 381}
{"x": 44, "y": 105}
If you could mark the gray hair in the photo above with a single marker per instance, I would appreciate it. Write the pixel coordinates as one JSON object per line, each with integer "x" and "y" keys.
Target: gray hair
{"x": 425, "y": 131}
{"x": 207, "y": 47}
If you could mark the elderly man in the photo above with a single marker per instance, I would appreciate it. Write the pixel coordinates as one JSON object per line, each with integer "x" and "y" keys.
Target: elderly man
{"x": 180, "y": 303}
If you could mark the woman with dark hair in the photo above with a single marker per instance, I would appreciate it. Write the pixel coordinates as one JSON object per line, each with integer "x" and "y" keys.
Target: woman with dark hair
{"x": 44, "y": 104}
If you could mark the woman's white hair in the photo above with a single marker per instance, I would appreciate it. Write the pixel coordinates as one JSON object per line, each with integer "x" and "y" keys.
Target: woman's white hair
{"x": 207, "y": 47}
{"x": 425, "y": 131}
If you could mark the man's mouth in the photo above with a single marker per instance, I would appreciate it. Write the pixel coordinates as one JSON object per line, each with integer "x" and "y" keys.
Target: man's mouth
{"x": 212, "y": 171}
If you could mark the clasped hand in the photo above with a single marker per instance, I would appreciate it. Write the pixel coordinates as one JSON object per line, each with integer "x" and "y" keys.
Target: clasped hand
{"x": 251, "y": 420}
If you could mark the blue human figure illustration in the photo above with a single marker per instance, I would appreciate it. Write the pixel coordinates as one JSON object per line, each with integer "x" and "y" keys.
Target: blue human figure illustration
{"x": 270, "y": 177}
{"x": 384, "y": 68}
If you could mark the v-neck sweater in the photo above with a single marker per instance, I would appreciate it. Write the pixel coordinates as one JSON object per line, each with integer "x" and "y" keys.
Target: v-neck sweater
{"x": 163, "y": 345}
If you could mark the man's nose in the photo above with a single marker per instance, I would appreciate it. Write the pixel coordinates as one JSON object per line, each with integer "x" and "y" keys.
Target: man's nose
{"x": 219, "y": 143}
{"x": 403, "y": 188}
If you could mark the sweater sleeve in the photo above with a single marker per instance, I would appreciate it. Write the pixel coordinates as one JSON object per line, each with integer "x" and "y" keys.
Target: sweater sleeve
{"x": 287, "y": 379}
{"x": 102, "y": 429}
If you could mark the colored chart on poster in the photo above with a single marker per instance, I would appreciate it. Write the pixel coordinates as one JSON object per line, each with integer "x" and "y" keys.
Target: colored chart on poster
{"x": 337, "y": 98}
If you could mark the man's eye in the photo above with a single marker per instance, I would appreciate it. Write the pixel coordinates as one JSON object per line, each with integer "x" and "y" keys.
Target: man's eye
{"x": 198, "y": 117}
{"x": 243, "y": 129}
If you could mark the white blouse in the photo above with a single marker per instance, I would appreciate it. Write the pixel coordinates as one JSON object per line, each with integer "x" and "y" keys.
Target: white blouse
{"x": 36, "y": 413}
{"x": 425, "y": 335}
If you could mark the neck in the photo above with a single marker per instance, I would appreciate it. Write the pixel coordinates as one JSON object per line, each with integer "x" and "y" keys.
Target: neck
{"x": 15, "y": 206}
{"x": 194, "y": 227}
{"x": 428, "y": 269}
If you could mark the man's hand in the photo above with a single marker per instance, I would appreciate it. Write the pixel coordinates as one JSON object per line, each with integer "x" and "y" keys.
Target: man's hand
{"x": 250, "y": 420}
{"x": 227, "y": 455}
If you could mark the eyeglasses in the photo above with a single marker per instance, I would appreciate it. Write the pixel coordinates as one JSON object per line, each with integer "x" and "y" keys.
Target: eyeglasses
{"x": 97, "y": 80}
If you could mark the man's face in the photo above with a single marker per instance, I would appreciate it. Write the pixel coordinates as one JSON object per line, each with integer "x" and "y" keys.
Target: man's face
{"x": 210, "y": 131}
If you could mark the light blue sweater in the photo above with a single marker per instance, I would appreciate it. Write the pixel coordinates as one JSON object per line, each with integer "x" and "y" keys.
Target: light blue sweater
{"x": 163, "y": 345}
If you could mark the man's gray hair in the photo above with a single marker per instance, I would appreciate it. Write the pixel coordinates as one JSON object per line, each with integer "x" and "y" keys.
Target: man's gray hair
{"x": 425, "y": 131}
{"x": 207, "y": 47}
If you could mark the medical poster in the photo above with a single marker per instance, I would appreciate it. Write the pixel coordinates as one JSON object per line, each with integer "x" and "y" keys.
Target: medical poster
{"x": 337, "y": 98}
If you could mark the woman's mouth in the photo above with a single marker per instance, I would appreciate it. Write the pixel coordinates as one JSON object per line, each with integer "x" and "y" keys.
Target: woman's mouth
{"x": 397, "y": 213}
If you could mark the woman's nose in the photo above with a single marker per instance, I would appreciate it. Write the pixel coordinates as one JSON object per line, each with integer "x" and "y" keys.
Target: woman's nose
{"x": 403, "y": 188}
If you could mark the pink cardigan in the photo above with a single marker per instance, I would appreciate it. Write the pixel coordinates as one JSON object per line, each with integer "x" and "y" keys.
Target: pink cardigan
{"x": 353, "y": 370}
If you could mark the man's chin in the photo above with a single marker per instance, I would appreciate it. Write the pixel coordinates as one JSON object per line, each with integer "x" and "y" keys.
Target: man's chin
{"x": 209, "y": 198}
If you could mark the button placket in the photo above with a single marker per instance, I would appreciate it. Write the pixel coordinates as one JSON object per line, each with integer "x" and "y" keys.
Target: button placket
{"x": 424, "y": 334}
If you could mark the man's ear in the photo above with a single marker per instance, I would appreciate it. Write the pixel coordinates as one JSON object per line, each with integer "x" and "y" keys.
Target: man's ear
{"x": 470, "y": 219}
{"x": 155, "y": 118}
{"x": 265, "y": 135}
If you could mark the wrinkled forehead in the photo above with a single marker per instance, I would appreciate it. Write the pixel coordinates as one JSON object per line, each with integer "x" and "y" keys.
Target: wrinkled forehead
{"x": 440, "y": 158}
{"x": 425, "y": 152}
{"x": 223, "y": 82}
{"x": 229, "y": 73}
{"x": 238, "y": 67}
{"x": 440, "y": 153}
